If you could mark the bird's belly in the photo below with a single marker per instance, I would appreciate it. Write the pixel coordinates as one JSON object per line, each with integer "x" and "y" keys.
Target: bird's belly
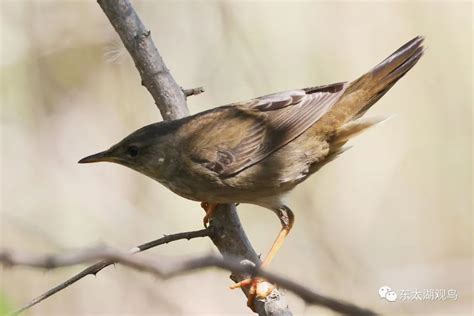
{"x": 208, "y": 191}
{"x": 261, "y": 184}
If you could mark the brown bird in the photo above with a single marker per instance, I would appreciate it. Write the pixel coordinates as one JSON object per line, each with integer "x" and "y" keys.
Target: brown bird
{"x": 257, "y": 151}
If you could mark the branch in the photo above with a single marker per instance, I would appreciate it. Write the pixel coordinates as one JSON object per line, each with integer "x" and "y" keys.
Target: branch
{"x": 7, "y": 258}
{"x": 166, "y": 269}
{"x": 230, "y": 237}
{"x": 168, "y": 96}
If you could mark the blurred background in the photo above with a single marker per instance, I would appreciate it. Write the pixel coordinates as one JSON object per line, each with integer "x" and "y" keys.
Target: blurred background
{"x": 395, "y": 210}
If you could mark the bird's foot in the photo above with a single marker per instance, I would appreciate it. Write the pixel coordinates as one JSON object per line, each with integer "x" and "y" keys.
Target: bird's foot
{"x": 258, "y": 289}
{"x": 209, "y": 208}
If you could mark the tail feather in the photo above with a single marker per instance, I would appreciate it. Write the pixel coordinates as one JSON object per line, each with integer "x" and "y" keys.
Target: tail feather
{"x": 374, "y": 84}
{"x": 359, "y": 95}
{"x": 342, "y": 136}
{"x": 344, "y": 120}
{"x": 353, "y": 128}
{"x": 397, "y": 64}
{"x": 371, "y": 101}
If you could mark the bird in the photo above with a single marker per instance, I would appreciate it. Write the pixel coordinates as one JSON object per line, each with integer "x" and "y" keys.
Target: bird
{"x": 257, "y": 151}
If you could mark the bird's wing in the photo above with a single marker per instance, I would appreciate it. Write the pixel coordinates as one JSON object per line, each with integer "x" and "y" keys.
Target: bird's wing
{"x": 234, "y": 137}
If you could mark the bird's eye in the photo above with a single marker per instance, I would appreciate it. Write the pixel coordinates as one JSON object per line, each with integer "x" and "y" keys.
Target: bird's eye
{"x": 132, "y": 151}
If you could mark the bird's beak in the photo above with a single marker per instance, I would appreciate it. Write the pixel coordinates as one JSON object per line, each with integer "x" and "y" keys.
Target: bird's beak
{"x": 102, "y": 156}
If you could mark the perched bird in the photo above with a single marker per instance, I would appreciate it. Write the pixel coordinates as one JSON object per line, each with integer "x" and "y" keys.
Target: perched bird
{"x": 257, "y": 151}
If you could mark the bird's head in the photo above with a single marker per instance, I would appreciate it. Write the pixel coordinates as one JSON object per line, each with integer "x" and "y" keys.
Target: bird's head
{"x": 149, "y": 150}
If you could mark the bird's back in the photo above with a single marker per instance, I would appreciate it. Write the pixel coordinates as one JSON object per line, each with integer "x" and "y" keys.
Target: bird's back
{"x": 260, "y": 148}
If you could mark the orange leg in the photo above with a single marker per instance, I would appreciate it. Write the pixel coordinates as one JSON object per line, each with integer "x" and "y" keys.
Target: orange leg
{"x": 209, "y": 208}
{"x": 258, "y": 288}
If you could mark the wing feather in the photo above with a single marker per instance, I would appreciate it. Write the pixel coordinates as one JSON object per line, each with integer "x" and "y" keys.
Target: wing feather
{"x": 256, "y": 128}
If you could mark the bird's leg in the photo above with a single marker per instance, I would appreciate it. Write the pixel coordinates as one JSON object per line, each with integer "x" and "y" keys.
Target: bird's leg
{"x": 209, "y": 208}
{"x": 287, "y": 219}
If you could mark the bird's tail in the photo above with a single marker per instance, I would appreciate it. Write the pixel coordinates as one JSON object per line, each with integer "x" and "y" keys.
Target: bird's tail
{"x": 361, "y": 94}
{"x": 370, "y": 87}
{"x": 344, "y": 120}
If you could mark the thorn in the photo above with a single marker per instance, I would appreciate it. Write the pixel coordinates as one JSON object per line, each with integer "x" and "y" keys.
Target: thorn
{"x": 190, "y": 92}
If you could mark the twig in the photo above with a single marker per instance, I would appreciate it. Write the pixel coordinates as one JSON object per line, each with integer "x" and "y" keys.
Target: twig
{"x": 165, "y": 269}
{"x": 195, "y": 91}
{"x": 8, "y": 258}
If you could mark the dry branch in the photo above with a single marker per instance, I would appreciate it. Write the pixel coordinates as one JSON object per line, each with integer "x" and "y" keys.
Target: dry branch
{"x": 156, "y": 77}
{"x": 8, "y": 258}
{"x": 165, "y": 269}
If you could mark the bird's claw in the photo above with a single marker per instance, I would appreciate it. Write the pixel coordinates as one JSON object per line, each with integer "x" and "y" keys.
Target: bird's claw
{"x": 206, "y": 221}
{"x": 209, "y": 208}
{"x": 258, "y": 289}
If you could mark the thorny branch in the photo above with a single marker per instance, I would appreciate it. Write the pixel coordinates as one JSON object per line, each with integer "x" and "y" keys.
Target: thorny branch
{"x": 7, "y": 260}
{"x": 156, "y": 77}
{"x": 165, "y": 269}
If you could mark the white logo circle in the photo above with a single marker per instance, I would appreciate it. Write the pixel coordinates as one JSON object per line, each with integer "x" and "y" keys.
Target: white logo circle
{"x": 384, "y": 290}
{"x": 391, "y": 296}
